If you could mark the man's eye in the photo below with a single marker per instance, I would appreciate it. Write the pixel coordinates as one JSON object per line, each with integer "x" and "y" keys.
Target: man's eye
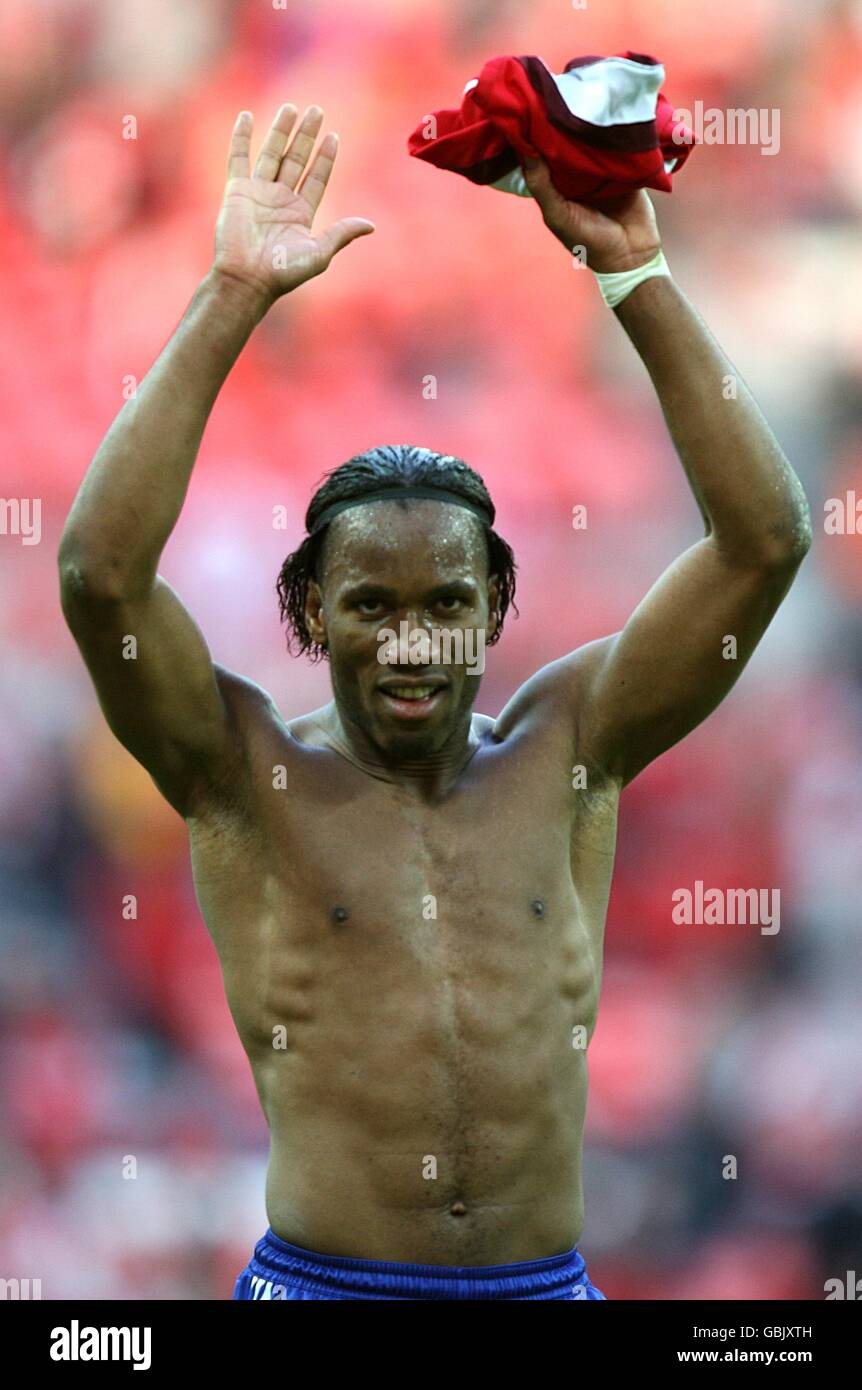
{"x": 450, "y": 604}
{"x": 368, "y": 606}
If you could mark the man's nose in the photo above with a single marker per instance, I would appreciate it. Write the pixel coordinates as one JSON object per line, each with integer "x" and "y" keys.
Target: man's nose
{"x": 416, "y": 618}
{"x": 409, "y": 621}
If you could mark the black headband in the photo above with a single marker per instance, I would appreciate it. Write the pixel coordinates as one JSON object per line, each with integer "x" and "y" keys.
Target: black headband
{"x": 385, "y": 494}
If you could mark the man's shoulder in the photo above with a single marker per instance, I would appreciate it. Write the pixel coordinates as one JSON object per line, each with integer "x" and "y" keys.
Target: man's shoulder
{"x": 483, "y": 725}
{"x": 557, "y": 691}
{"x": 248, "y": 704}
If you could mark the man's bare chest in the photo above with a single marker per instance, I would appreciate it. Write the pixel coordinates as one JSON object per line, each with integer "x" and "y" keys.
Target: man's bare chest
{"x": 327, "y": 850}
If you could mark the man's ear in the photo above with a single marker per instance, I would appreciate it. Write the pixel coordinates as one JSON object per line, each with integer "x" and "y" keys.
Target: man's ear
{"x": 314, "y": 617}
{"x": 493, "y": 605}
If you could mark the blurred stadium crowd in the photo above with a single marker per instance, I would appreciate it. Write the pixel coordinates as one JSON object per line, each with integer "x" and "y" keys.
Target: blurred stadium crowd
{"x": 132, "y": 1150}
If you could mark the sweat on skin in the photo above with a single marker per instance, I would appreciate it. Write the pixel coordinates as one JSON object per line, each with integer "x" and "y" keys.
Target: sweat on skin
{"x": 409, "y": 1035}
{"x": 420, "y": 563}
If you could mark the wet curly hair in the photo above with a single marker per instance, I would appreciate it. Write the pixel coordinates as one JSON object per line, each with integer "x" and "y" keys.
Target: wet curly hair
{"x": 388, "y": 465}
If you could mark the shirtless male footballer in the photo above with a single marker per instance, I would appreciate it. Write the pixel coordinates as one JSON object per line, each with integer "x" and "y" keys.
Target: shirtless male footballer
{"x": 408, "y": 899}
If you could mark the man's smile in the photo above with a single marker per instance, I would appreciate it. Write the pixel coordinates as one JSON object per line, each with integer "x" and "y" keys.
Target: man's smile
{"x": 412, "y": 698}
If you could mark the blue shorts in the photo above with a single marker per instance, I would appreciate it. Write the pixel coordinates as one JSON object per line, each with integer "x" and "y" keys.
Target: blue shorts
{"x": 278, "y": 1270}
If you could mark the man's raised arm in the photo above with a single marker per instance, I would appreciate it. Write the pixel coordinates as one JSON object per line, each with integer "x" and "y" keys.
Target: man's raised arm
{"x": 642, "y": 689}
{"x": 163, "y": 702}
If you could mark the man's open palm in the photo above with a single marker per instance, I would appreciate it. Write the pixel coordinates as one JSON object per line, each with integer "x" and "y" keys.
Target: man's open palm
{"x": 263, "y": 234}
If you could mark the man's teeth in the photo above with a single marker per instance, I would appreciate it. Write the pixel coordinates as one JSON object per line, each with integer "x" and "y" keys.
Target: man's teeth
{"x": 411, "y": 692}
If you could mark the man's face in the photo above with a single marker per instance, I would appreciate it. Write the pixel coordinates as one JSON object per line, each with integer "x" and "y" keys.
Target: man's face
{"x": 426, "y": 566}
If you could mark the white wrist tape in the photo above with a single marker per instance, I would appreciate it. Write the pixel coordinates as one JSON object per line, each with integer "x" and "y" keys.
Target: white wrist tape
{"x": 615, "y": 288}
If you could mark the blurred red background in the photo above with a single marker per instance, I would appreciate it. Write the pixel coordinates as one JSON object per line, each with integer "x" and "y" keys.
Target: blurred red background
{"x": 711, "y": 1041}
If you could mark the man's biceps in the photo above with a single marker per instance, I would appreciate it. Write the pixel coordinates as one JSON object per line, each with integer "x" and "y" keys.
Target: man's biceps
{"x": 160, "y": 704}
{"x": 178, "y": 754}
{"x": 672, "y": 632}
{"x": 643, "y": 710}
{"x": 157, "y": 679}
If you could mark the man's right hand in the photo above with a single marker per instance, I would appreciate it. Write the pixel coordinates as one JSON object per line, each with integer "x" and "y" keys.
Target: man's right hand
{"x": 263, "y": 235}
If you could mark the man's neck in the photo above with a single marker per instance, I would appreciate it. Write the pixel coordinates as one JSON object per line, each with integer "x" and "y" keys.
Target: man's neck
{"x": 429, "y": 777}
